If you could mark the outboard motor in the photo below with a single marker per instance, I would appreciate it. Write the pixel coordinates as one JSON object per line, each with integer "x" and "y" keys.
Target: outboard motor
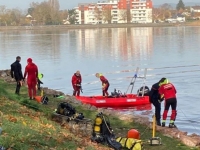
{"x": 115, "y": 93}
{"x": 143, "y": 91}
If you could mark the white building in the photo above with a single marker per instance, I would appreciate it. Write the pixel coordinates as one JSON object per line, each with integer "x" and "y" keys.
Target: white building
{"x": 195, "y": 9}
{"x": 115, "y": 11}
{"x": 141, "y": 12}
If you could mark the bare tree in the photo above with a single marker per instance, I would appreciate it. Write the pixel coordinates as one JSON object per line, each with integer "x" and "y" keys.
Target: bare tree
{"x": 3, "y": 15}
{"x": 156, "y": 13}
{"x": 106, "y": 15}
{"x": 15, "y": 15}
{"x": 64, "y": 14}
{"x": 166, "y": 6}
{"x": 46, "y": 14}
{"x": 123, "y": 15}
{"x": 166, "y": 10}
{"x": 54, "y": 4}
{"x": 98, "y": 14}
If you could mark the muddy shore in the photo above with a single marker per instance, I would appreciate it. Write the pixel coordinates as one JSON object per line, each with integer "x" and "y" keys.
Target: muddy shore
{"x": 189, "y": 140}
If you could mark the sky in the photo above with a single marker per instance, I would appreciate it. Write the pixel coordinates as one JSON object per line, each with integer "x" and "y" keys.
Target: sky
{"x": 69, "y": 4}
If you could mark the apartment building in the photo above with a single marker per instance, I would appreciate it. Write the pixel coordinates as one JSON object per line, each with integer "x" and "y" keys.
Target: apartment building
{"x": 115, "y": 11}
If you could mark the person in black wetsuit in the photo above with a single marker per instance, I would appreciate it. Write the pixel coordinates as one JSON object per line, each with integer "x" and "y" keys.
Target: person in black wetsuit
{"x": 154, "y": 97}
{"x": 16, "y": 72}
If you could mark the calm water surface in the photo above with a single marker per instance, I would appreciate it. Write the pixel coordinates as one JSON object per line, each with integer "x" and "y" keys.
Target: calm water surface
{"x": 171, "y": 52}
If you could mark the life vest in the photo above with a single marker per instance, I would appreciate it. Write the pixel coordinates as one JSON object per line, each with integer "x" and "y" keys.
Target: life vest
{"x": 130, "y": 143}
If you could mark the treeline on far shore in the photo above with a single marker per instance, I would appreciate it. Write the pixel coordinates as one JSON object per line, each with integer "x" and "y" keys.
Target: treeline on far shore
{"x": 49, "y": 13}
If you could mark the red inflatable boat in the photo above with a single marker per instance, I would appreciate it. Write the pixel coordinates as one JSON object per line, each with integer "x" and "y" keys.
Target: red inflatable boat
{"x": 129, "y": 100}
{"x": 119, "y": 100}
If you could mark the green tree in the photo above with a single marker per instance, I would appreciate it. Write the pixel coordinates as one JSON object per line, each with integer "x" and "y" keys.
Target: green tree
{"x": 72, "y": 16}
{"x": 180, "y": 5}
{"x": 30, "y": 10}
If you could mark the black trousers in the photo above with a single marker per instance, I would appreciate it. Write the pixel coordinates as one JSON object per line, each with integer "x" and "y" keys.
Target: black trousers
{"x": 38, "y": 84}
{"x": 157, "y": 105}
{"x": 18, "y": 86}
{"x": 173, "y": 103}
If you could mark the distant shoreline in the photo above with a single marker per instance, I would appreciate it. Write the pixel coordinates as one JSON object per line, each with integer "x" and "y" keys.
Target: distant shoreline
{"x": 68, "y": 27}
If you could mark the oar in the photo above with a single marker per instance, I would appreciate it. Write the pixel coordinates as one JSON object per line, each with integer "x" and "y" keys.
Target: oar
{"x": 132, "y": 82}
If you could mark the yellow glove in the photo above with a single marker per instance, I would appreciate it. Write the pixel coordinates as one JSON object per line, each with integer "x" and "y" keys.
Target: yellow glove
{"x": 103, "y": 86}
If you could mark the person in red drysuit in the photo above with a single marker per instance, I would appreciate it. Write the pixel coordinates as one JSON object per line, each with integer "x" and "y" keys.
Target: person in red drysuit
{"x": 76, "y": 83}
{"x": 105, "y": 84}
{"x": 168, "y": 92}
{"x": 32, "y": 71}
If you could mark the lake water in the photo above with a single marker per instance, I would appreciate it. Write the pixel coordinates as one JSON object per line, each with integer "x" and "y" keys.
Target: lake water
{"x": 171, "y": 52}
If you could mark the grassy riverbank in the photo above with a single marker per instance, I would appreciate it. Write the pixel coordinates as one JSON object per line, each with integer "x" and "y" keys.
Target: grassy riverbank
{"x": 30, "y": 127}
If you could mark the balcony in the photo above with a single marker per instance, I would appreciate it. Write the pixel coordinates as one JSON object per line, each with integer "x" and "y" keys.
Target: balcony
{"x": 138, "y": 16}
{"x": 114, "y": 7}
{"x": 114, "y": 12}
{"x": 114, "y": 18}
{"x": 141, "y": 2}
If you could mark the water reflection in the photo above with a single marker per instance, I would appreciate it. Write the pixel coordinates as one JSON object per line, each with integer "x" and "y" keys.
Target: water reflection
{"x": 122, "y": 43}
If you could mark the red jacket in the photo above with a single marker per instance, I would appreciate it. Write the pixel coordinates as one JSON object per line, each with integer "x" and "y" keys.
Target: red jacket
{"x": 32, "y": 71}
{"x": 103, "y": 79}
{"x": 168, "y": 90}
{"x": 76, "y": 79}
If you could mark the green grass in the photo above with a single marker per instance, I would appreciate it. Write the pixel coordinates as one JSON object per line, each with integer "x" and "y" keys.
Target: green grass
{"x": 28, "y": 125}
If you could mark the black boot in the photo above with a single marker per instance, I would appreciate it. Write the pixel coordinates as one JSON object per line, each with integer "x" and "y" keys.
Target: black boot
{"x": 17, "y": 88}
{"x": 74, "y": 93}
{"x": 158, "y": 122}
{"x": 163, "y": 124}
{"x": 172, "y": 125}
